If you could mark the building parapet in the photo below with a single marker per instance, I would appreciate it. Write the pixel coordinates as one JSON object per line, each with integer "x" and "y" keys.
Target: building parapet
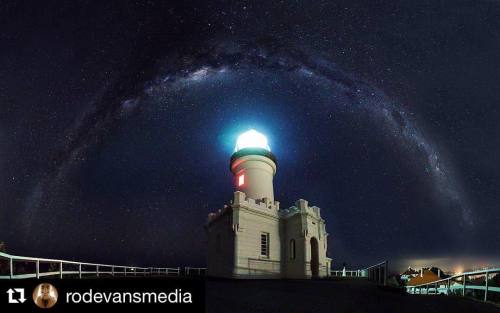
{"x": 301, "y": 206}
{"x": 240, "y": 198}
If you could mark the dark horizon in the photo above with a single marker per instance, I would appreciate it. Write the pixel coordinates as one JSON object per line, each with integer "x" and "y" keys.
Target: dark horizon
{"x": 118, "y": 121}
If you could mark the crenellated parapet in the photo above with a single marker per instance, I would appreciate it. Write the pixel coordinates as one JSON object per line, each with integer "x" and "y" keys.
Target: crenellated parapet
{"x": 301, "y": 206}
{"x": 241, "y": 199}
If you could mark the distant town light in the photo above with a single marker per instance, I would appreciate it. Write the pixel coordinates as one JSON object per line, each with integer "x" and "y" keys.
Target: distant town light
{"x": 251, "y": 139}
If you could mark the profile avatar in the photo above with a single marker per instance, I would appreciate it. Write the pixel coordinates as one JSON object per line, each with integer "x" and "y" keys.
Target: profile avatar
{"x": 45, "y": 295}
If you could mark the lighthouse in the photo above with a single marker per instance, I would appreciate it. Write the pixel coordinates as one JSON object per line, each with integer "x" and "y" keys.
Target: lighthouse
{"x": 254, "y": 166}
{"x": 251, "y": 236}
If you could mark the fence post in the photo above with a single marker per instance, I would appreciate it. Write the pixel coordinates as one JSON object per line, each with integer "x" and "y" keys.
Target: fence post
{"x": 97, "y": 270}
{"x": 386, "y": 266}
{"x": 486, "y": 286}
{"x": 11, "y": 268}
{"x": 112, "y": 271}
{"x": 60, "y": 270}
{"x": 80, "y": 270}
{"x": 463, "y": 287}
{"x": 37, "y": 269}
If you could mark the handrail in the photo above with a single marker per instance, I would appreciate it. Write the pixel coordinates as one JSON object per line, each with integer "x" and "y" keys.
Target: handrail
{"x": 376, "y": 265}
{"x": 45, "y": 260}
{"x": 376, "y": 272}
{"x": 479, "y": 272}
{"x": 199, "y": 270}
{"x": 106, "y": 269}
{"x": 448, "y": 287}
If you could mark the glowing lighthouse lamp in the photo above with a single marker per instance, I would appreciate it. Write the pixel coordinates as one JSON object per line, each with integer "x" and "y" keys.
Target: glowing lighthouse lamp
{"x": 254, "y": 166}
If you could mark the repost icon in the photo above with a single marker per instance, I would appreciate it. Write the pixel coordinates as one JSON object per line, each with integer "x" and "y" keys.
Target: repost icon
{"x": 16, "y": 295}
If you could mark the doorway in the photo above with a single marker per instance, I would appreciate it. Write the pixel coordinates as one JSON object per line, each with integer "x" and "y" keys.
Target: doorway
{"x": 314, "y": 258}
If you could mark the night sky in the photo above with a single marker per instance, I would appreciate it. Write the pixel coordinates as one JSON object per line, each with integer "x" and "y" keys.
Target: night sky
{"x": 117, "y": 122}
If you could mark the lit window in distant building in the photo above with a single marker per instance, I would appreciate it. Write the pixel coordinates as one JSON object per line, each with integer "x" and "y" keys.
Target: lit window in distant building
{"x": 241, "y": 180}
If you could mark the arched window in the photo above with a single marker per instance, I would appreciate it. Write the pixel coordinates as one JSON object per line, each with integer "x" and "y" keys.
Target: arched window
{"x": 292, "y": 249}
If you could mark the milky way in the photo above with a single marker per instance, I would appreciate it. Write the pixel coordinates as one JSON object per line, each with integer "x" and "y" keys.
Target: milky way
{"x": 183, "y": 69}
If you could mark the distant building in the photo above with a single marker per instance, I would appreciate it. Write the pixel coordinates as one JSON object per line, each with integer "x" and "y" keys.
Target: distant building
{"x": 252, "y": 237}
{"x": 408, "y": 274}
{"x": 425, "y": 275}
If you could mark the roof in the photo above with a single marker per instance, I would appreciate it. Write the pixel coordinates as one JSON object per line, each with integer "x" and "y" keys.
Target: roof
{"x": 427, "y": 277}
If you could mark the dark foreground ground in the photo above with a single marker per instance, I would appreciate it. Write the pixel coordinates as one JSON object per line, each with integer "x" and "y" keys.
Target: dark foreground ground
{"x": 327, "y": 296}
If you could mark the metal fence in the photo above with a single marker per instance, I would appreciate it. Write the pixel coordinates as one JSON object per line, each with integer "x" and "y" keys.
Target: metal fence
{"x": 199, "y": 271}
{"x": 376, "y": 273}
{"x": 348, "y": 273}
{"x": 482, "y": 284}
{"x": 40, "y": 267}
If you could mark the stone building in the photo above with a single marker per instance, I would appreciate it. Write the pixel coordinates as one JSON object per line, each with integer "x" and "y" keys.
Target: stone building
{"x": 252, "y": 237}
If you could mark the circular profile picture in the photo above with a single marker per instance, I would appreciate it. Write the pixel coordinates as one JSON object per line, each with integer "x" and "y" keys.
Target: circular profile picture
{"x": 45, "y": 295}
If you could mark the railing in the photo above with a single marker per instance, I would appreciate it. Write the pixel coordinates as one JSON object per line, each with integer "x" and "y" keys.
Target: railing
{"x": 376, "y": 273}
{"x": 347, "y": 273}
{"x": 79, "y": 269}
{"x": 464, "y": 284}
{"x": 200, "y": 271}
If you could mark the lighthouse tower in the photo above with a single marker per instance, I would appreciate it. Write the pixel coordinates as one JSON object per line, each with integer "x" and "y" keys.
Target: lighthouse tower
{"x": 254, "y": 166}
{"x": 251, "y": 237}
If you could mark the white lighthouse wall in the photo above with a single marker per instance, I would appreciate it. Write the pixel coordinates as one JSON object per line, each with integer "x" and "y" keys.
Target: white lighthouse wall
{"x": 234, "y": 240}
{"x": 258, "y": 174}
{"x": 292, "y": 230}
{"x": 302, "y": 223}
{"x": 316, "y": 229}
{"x": 254, "y": 219}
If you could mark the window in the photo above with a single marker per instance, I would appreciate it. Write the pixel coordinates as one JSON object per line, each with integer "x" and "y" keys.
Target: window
{"x": 292, "y": 249}
{"x": 264, "y": 244}
{"x": 241, "y": 180}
